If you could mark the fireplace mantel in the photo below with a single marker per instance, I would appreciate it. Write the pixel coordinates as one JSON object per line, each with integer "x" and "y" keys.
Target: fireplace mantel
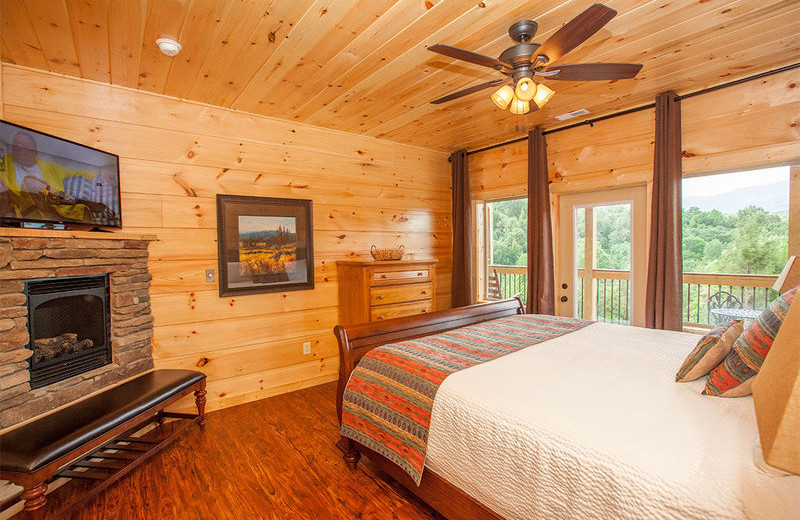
{"x": 60, "y": 233}
{"x": 27, "y": 254}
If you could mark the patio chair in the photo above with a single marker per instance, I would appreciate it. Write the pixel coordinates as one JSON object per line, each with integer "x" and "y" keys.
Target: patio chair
{"x": 493, "y": 287}
{"x": 722, "y": 300}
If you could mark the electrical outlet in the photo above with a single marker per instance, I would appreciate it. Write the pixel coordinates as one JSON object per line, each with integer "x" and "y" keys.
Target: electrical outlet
{"x": 209, "y": 276}
{"x": 306, "y": 348}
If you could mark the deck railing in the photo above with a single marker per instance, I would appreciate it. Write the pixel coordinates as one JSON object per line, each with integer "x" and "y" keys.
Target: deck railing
{"x": 612, "y": 295}
{"x": 513, "y": 279}
{"x": 753, "y": 291}
{"x": 612, "y": 292}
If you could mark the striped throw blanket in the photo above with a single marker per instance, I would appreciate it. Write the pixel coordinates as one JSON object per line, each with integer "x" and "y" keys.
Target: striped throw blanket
{"x": 388, "y": 401}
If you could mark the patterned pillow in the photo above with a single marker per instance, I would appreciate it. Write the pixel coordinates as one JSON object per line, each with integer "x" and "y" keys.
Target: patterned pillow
{"x": 756, "y": 340}
{"x": 731, "y": 378}
{"x": 710, "y": 351}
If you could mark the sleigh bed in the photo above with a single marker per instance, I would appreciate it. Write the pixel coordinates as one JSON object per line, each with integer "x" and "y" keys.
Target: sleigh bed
{"x": 586, "y": 424}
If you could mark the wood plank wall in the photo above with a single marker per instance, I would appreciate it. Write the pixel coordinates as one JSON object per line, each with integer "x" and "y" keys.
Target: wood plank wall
{"x": 753, "y": 124}
{"x": 175, "y": 156}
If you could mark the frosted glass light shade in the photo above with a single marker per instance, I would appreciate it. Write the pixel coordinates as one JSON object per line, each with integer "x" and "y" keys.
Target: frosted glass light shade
{"x": 519, "y": 106}
{"x": 503, "y": 96}
{"x": 543, "y": 95}
{"x": 526, "y": 89}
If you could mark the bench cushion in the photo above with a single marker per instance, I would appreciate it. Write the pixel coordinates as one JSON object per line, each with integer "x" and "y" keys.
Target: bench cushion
{"x": 38, "y": 443}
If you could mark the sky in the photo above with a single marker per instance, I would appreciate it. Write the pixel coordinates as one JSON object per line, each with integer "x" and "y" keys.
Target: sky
{"x": 709, "y": 185}
{"x": 248, "y": 224}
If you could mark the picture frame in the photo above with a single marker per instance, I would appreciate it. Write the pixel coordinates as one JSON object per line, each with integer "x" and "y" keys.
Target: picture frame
{"x": 265, "y": 244}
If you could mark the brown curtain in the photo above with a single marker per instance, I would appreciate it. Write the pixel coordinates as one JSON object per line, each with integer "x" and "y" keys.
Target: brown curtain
{"x": 540, "y": 231}
{"x": 665, "y": 260}
{"x": 462, "y": 231}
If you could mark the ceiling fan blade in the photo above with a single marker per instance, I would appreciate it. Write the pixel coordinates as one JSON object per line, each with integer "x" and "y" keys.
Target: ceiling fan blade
{"x": 472, "y": 57}
{"x": 594, "y": 71}
{"x": 575, "y": 32}
{"x": 467, "y": 91}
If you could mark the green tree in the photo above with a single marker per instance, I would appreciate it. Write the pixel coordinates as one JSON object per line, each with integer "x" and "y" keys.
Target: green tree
{"x": 751, "y": 241}
{"x": 510, "y": 232}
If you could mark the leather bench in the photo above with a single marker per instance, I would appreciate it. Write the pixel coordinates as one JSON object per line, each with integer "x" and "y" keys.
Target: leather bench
{"x": 95, "y": 438}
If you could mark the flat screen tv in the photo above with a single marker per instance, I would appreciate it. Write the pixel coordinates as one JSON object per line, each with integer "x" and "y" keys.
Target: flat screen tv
{"x": 48, "y": 180}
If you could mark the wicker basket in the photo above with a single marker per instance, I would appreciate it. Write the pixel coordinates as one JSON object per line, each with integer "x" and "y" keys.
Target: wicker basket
{"x": 387, "y": 254}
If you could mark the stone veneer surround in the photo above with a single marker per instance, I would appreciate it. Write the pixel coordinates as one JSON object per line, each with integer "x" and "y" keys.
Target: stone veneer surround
{"x": 27, "y": 254}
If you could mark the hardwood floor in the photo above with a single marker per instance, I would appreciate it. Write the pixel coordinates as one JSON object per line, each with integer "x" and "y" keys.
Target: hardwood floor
{"x": 271, "y": 459}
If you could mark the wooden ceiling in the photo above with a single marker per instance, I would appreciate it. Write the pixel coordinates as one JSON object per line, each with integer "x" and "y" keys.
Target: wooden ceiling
{"x": 362, "y": 66}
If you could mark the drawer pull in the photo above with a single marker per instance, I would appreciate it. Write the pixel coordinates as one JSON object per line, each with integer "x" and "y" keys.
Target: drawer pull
{"x": 419, "y": 274}
{"x": 383, "y": 276}
{"x": 424, "y": 311}
{"x": 424, "y": 292}
{"x": 380, "y": 296}
{"x": 380, "y": 317}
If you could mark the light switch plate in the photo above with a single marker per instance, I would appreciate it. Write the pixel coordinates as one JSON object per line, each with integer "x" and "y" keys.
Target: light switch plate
{"x": 209, "y": 276}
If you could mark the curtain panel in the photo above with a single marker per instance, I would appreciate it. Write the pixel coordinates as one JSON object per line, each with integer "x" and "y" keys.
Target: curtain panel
{"x": 462, "y": 230}
{"x": 541, "y": 291}
{"x": 665, "y": 258}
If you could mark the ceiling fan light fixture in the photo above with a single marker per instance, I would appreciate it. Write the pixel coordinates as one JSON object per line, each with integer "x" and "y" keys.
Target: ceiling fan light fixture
{"x": 526, "y": 89}
{"x": 519, "y": 106}
{"x": 543, "y": 95}
{"x": 503, "y": 96}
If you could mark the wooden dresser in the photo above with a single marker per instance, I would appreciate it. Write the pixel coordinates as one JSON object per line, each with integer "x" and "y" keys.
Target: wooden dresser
{"x": 374, "y": 290}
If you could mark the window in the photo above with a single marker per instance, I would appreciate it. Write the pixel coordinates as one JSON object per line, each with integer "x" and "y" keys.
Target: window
{"x": 735, "y": 240}
{"x": 502, "y": 245}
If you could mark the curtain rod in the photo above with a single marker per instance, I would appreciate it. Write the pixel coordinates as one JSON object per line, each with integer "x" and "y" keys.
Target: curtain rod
{"x": 591, "y": 122}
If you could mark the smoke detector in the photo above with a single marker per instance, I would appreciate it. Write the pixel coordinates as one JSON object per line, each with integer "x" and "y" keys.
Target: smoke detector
{"x": 169, "y": 46}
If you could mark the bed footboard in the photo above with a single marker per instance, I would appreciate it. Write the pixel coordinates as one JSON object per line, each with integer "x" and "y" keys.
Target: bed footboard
{"x": 356, "y": 340}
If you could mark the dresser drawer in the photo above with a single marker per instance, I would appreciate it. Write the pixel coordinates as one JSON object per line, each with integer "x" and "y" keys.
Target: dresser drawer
{"x": 390, "y": 276}
{"x": 400, "y": 293}
{"x": 385, "y": 312}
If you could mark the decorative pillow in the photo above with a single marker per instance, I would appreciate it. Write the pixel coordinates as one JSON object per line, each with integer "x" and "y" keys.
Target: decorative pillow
{"x": 710, "y": 351}
{"x": 756, "y": 340}
{"x": 731, "y": 378}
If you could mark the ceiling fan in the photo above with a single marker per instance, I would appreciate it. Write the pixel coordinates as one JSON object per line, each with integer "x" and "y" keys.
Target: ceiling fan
{"x": 526, "y": 60}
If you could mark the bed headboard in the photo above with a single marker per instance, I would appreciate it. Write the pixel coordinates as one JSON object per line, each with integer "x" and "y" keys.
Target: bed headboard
{"x": 357, "y": 340}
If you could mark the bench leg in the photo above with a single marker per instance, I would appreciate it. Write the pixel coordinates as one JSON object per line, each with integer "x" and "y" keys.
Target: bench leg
{"x": 200, "y": 401}
{"x": 35, "y": 500}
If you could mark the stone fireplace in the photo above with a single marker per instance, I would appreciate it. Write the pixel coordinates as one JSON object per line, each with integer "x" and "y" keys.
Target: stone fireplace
{"x": 74, "y": 317}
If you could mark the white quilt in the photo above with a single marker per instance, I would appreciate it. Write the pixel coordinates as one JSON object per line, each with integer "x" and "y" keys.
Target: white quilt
{"x": 593, "y": 425}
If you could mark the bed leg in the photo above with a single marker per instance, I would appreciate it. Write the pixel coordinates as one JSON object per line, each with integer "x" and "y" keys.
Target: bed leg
{"x": 350, "y": 454}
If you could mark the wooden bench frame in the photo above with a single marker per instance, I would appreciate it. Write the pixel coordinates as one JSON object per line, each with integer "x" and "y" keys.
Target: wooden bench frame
{"x": 118, "y": 439}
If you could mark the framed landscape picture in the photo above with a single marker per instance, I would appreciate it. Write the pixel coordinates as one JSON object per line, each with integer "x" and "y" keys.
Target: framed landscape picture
{"x": 265, "y": 244}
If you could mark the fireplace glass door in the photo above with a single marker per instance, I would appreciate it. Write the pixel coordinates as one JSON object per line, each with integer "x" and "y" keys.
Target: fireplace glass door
{"x": 69, "y": 322}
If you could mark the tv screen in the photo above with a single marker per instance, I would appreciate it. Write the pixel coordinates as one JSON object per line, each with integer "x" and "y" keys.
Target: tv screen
{"x": 45, "y": 179}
